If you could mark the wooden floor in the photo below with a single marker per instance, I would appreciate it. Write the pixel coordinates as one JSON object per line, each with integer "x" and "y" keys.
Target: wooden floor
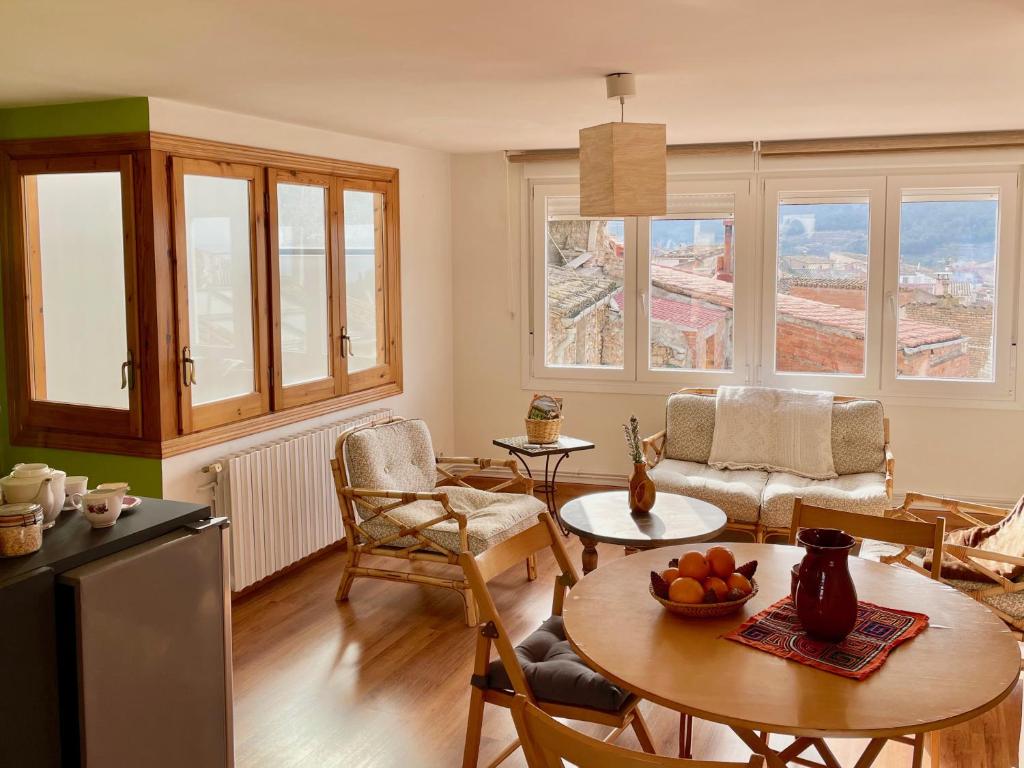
{"x": 383, "y": 680}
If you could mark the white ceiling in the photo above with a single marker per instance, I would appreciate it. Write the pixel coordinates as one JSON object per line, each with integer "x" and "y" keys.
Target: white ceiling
{"x": 467, "y": 75}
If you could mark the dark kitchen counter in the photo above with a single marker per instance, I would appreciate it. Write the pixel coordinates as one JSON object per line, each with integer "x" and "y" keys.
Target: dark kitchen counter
{"x": 73, "y": 542}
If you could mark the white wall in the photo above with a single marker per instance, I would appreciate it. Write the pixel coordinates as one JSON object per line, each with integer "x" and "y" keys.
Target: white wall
{"x": 425, "y": 200}
{"x": 966, "y": 452}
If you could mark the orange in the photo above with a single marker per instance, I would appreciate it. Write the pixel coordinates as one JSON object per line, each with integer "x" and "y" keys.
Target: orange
{"x": 669, "y": 575}
{"x": 740, "y": 582}
{"x": 686, "y": 590}
{"x": 722, "y": 561}
{"x": 716, "y": 585}
{"x": 694, "y": 565}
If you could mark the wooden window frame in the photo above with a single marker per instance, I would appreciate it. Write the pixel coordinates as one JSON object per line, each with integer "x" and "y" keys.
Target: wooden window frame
{"x": 160, "y": 426}
{"x": 333, "y": 384}
{"x": 24, "y": 311}
{"x": 195, "y": 418}
{"x": 387, "y": 285}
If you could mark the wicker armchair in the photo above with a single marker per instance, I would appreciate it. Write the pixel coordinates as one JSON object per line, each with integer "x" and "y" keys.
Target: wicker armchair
{"x": 398, "y": 500}
{"x": 1003, "y": 597}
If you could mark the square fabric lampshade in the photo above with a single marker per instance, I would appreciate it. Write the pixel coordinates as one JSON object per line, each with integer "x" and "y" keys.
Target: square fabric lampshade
{"x": 622, "y": 170}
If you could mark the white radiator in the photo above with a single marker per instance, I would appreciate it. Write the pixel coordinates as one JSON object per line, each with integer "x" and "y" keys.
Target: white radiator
{"x": 281, "y": 499}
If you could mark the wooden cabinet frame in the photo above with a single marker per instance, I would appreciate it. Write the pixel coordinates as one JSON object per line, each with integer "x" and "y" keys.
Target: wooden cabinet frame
{"x": 161, "y": 421}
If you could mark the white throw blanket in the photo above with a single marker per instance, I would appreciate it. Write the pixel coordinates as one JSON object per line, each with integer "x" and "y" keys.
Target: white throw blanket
{"x": 775, "y": 430}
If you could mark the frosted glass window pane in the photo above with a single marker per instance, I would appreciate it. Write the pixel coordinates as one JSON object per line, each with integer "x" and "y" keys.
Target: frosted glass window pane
{"x": 217, "y": 231}
{"x": 81, "y": 243}
{"x": 302, "y": 266}
{"x": 362, "y": 281}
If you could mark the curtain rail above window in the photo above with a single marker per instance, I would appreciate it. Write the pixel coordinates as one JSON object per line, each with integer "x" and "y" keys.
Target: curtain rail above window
{"x": 778, "y": 148}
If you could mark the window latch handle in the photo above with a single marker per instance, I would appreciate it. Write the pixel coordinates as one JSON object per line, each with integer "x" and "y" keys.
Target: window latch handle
{"x": 346, "y": 343}
{"x": 128, "y": 373}
{"x": 188, "y": 367}
{"x": 892, "y": 304}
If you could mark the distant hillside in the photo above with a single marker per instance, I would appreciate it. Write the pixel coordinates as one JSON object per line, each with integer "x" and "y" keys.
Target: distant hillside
{"x": 930, "y": 233}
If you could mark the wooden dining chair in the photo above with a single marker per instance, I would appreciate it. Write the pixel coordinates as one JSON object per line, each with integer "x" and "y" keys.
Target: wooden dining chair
{"x": 547, "y": 743}
{"x": 542, "y": 669}
{"x": 912, "y": 536}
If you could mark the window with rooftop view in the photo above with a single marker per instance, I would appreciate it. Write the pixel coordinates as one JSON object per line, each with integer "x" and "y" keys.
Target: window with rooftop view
{"x": 946, "y": 296}
{"x": 584, "y": 278}
{"x": 821, "y": 284}
{"x": 689, "y": 302}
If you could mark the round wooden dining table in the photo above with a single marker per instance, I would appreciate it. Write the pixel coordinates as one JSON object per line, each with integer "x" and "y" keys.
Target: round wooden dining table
{"x": 963, "y": 664}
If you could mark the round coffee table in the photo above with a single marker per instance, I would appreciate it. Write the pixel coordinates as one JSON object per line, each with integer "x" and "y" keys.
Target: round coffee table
{"x": 605, "y": 517}
{"x": 965, "y": 663}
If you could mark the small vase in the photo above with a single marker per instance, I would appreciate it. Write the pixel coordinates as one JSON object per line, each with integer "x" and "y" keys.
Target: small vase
{"x": 641, "y": 490}
{"x": 826, "y": 599}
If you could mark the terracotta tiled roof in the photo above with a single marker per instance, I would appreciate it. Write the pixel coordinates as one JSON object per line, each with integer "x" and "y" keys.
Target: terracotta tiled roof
{"x": 912, "y": 333}
{"x": 845, "y": 283}
{"x": 689, "y": 315}
{"x": 570, "y": 292}
{"x": 688, "y": 284}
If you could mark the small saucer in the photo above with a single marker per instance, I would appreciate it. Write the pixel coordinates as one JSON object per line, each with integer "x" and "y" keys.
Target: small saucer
{"x": 69, "y": 506}
{"x": 130, "y": 504}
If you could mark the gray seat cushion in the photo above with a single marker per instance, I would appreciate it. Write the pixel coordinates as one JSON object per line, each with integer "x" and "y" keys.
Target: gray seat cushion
{"x": 556, "y": 674}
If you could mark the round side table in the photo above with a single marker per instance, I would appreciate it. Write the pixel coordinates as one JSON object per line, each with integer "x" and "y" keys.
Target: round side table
{"x": 605, "y": 517}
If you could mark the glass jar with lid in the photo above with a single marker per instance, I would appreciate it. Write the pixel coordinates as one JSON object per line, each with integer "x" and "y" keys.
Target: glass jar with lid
{"x": 21, "y": 529}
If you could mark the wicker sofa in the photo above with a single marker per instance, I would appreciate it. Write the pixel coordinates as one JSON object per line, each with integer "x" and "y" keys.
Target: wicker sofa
{"x": 761, "y": 503}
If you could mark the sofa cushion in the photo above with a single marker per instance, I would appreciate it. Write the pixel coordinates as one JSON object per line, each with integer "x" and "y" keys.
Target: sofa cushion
{"x": 556, "y": 674}
{"x": 689, "y": 427}
{"x": 735, "y": 492}
{"x": 493, "y": 517}
{"x": 391, "y": 457}
{"x": 863, "y": 493}
{"x": 858, "y": 437}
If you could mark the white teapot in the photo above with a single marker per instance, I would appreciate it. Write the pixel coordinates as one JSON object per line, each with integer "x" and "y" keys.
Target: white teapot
{"x": 33, "y": 483}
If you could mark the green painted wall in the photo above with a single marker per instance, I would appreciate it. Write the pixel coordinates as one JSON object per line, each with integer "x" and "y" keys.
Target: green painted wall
{"x": 89, "y": 118}
{"x": 81, "y": 119}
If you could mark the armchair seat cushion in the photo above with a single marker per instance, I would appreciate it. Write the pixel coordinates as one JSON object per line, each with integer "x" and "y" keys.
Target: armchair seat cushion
{"x": 556, "y": 674}
{"x": 863, "y": 493}
{"x": 492, "y": 518}
{"x": 735, "y": 492}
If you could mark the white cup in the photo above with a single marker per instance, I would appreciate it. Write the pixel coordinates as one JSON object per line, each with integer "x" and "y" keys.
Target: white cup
{"x": 100, "y": 508}
{"x": 74, "y": 484}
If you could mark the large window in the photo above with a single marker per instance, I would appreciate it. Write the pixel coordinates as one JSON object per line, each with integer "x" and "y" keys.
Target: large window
{"x": 175, "y": 293}
{"x": 868, "y": 285}
{"x": 643, "y": 299}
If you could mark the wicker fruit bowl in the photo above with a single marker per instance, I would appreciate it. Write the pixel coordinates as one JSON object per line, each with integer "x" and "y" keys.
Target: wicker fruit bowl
{"x": 703, "y": 585}
{"x": 704, "y": 610}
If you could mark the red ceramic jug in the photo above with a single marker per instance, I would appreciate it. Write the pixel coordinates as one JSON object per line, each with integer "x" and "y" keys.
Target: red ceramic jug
{"x": 826, "y": 599}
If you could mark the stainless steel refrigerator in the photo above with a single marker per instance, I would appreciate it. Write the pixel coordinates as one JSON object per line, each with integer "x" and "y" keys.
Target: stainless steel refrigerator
{"x": 154, "y": 652}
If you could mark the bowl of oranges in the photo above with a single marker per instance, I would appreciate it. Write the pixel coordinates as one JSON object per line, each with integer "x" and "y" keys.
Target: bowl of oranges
{"x": 704, "y": 585}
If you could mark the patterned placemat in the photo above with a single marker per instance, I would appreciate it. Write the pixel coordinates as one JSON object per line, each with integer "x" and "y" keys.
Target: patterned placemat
{"x": 777, "y": 630}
